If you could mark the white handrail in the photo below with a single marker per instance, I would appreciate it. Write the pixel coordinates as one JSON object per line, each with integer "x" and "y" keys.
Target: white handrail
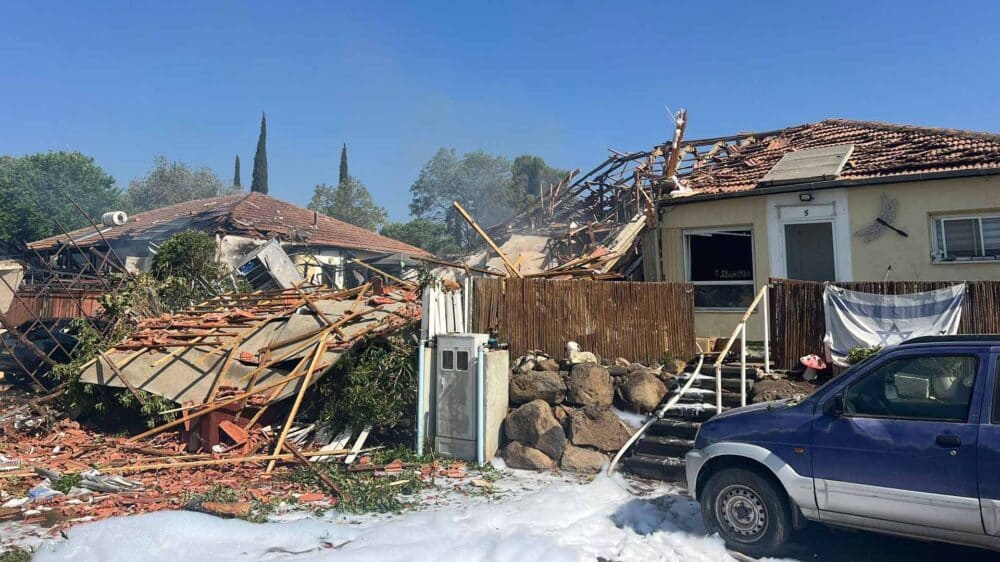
{"x": 741, "y": 330}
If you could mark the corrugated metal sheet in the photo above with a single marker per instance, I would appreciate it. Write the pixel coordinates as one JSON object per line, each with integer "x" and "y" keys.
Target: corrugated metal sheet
{"x": 799, "y": 322}
{"x": 638, "y": 321}
{"x": 53, "y": 304}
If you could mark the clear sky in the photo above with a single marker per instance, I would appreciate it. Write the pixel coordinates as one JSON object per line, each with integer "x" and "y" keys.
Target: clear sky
{"x": 125, "y": 81}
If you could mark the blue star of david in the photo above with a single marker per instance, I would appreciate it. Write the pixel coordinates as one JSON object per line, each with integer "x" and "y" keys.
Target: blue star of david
{"x": 893, "y": 331}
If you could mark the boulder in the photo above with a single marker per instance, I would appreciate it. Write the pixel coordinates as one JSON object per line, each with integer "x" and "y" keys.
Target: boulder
{"x": 633, "y": 367}
{"x": 675, "y": 366}
{"x": 537, "y": 385}
{"x": 519, "y": 455}
{"x": 622, "y": 362}
{"x": 618, "y": 370}
{"x": 547, "y": 364}
{"x": 642, "y": 391}
{"x": 578, "y": 459}
{"x": 534, "y": 425}
{"x": 596, "y": 427}
{"x": 590, "y": 385}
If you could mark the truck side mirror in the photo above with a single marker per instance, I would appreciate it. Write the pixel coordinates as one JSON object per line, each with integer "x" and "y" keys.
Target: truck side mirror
{"x": 836, "y": 406}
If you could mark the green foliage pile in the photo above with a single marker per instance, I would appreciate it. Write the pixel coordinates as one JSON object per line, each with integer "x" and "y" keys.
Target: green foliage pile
{"x": 859, "y": 354}
{"x": 375, "y": 383}
{"x": 186, "y": 270}
{"x": 362, "y": 492}
{"x": 15, "y": 555}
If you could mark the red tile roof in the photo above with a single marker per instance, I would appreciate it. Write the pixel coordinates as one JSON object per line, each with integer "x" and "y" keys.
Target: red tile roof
{"x": 253, "y": 215}
{"x": 880, "y": 150}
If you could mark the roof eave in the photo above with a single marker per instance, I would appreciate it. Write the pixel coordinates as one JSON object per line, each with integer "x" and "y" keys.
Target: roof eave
{"x": 829, "y": 184}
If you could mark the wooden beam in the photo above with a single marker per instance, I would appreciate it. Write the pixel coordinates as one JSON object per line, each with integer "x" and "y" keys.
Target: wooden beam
{"x": 489, "y": 241}
{"x": 320, "y": 348}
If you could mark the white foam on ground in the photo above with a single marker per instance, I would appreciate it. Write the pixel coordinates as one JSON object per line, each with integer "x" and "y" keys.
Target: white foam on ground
{"x": 564, "y": 521}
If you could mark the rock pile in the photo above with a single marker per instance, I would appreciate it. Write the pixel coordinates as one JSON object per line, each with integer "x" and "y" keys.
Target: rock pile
{"x": 562, "y": 413}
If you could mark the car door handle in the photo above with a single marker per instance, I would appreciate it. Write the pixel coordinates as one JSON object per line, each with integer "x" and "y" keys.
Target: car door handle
{"x": 948, "y": 441}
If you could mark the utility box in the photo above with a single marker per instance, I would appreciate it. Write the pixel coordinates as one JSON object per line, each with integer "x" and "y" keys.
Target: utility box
{"x": 462, "y": 407}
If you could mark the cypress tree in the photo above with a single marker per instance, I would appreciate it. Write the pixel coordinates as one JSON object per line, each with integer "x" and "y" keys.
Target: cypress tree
{"x": 259, "y": 181}
{"x": 236, "y": 172}
{"x": 343, "y": 165}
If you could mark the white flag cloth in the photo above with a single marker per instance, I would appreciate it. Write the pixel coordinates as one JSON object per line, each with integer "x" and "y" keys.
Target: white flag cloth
{"x": 856, "y": 319}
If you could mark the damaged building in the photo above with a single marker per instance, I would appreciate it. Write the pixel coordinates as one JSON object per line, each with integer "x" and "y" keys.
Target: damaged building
{"x": 321, "y": 246}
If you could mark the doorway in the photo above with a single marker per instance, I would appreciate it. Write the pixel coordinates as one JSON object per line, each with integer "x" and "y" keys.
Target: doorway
{"x": 809, "y": 251}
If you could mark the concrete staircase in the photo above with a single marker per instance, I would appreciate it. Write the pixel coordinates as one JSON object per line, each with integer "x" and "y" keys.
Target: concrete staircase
{"x": 659, "y": 453}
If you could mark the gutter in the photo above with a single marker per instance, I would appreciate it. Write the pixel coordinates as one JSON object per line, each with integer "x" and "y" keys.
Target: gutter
{"x": 830, "y": 184}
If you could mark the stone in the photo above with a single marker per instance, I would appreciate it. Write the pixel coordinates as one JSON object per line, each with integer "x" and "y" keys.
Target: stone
{"x": 578, "y": 459}
{"x": 547, "y": 364}
{"x": 597, "y": 427}
{"x": 577, "y": 356}
{"x": 561, "y": 413}
{"x": 534, "y": 425}
{"x": 633, "y": 367}
{"x": 525, "y": 365}
{"x": 642, "y": 391}
{"x": 519, "y": 455}
{"x": 537, "y": 385}
{"x": 590, "y": 385}
{"x": 618, "y": 370}
{"x": 675, "y": 366}
{"x": 622, "y": 362}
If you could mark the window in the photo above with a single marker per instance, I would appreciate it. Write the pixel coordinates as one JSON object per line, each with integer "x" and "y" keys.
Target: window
{"x": 996, "y": 397}
{"x": 967, "y": 238}
{"x": 921, "y": 388}
{"x": 448, "y": 359}
{"x": 463, "y": 361}
{"x": 720, "y": 266}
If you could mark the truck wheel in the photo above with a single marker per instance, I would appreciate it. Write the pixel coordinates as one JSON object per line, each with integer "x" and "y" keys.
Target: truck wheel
{"x": 749, "y": 512}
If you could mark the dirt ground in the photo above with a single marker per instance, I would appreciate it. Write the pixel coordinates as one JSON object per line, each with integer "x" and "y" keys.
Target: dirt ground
{"x": 766, "y": 390}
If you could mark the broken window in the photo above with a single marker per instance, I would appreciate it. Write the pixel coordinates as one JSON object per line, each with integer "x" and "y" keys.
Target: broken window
{"x": 967, "y": 238}
{"x": 720, "y": 266}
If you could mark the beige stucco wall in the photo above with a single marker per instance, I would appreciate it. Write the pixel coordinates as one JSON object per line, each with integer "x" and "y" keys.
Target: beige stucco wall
{"x": 910, "y": 257}
{"x": 917, "y": 205}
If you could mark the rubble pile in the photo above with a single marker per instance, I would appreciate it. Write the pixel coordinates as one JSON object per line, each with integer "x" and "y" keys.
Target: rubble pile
{"x": 563, "y": 411}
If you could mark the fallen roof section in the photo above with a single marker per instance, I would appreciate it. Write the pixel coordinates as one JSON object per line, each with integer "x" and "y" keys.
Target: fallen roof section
{"x": 249, "y": 343}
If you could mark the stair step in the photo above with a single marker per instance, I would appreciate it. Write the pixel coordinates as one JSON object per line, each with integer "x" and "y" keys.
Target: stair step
{"x": 733, "y": 372}
{"x": 729, "y": 399}
{"x": 691, "y": 412}
{"x": 668, "y": 469}
{"x": 708, "y": 383}
{"x": 663, "y": 446}
{"x": 674, "y": 428}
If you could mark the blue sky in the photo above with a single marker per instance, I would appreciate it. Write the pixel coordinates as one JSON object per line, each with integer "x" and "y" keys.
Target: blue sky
{"x": 126, "y": 81}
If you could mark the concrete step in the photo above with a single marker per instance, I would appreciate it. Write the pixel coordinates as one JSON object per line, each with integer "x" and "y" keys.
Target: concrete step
{"x": 702, "y": 396}
{"x": 668, "y": 469}
{"x": 668, "y": 427}
{"x": 692, "y": 412}
{"x": 708, "y": 383}
{"x": 663, "y": 446}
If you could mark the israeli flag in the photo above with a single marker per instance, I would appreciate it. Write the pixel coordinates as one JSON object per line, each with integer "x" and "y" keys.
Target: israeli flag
{"x": 856, "y": 319}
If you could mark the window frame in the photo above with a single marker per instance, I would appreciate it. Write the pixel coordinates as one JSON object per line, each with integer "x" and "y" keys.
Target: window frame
{"x": 995, "y": 406}
{"x": 752, "y": 282}
{"x": 876, "y": 368}
{"x": 939, "y": 251}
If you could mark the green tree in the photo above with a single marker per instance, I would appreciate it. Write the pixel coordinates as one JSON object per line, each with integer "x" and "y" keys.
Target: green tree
{"x": 531, "y": 174}
{"x": 236, "y": 173}
{"x": 169, "y": 183}
{"x": 423, "y": 233}
{"x": 344, "y": 176}
{"x": 480, "y": 182}
{"x": 259, "y": 181}
{"x": 350, "y": 202}
{"x": 35, "y": 192}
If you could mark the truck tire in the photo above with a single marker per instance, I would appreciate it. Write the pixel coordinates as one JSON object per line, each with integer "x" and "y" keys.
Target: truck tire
{"x": 747, "y": 510}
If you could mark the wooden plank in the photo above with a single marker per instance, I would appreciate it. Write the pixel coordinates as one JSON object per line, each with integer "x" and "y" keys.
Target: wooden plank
{"x": 304, "y": 384}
